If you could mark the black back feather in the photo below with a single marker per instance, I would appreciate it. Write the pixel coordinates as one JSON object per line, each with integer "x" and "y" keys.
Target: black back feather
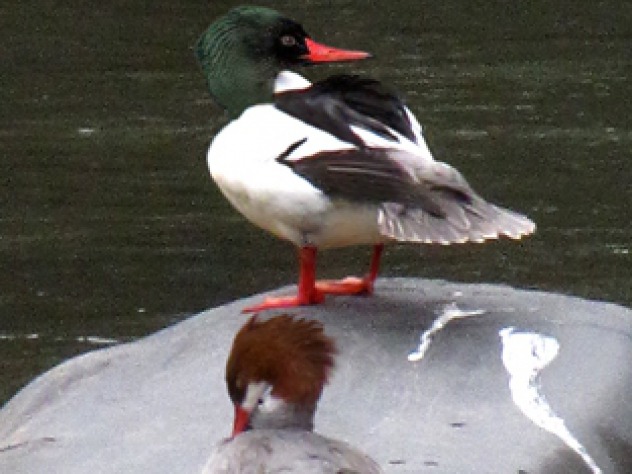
{"x": 340, "y": 101}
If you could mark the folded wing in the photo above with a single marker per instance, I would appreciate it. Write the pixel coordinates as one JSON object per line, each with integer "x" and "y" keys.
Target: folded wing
{"x": 419, "y": 199}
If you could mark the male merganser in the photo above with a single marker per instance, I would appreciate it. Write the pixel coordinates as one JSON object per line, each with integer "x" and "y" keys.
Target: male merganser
{"x": 275, "y": 375}
{"x": 336, "y": 163}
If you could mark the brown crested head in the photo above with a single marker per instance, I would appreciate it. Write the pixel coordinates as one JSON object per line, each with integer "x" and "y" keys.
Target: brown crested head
{"x": 293, "y": 355}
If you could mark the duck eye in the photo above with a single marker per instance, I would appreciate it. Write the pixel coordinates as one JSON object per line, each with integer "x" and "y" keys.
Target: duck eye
{"x": 260, "y": 401}
{"x": 288, "y": 41}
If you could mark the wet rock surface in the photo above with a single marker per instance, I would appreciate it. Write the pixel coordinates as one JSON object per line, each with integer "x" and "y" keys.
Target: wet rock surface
{"x": 504, "y": 381}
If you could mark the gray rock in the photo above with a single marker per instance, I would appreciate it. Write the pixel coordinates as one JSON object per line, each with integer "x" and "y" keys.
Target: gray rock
{"x": 159, "y": 405}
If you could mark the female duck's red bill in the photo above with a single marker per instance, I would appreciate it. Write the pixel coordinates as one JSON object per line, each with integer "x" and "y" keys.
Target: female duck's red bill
{"x": 321, "y": 53}
{"x": 240, "y": 424}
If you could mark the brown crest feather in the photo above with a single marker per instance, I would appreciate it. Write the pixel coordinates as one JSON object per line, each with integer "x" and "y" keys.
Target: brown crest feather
{"x": 292, "y": 354}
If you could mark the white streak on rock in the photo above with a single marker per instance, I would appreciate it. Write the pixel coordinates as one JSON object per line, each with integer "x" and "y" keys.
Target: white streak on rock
{"x": 449, "y": 313}
{"x": 525, "y": 355}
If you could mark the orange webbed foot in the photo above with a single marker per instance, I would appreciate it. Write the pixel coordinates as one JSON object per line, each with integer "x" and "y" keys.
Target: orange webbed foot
{"x": 279, "y": 302}
{"x": 347, "y": 286}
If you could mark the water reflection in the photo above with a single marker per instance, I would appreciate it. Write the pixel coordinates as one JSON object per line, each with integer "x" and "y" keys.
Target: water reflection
{"x": 111, "y": 227}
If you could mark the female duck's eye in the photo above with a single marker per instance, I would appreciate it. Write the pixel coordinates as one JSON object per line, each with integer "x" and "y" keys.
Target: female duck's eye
{"x": 288, "y": 40}
{"x": 260, "y": 401}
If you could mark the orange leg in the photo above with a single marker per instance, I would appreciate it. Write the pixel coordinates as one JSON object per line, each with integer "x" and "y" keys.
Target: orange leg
{"x": 312, "y": 292}
{"x": 307, "y": 292}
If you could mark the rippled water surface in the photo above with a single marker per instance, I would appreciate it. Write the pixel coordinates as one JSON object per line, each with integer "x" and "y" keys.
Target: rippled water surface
{"x": 112, "y": 229}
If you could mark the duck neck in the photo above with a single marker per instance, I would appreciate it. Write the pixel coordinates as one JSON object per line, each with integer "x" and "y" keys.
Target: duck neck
{"x": 286, "y": 416}
{"x": 236, "y": 78}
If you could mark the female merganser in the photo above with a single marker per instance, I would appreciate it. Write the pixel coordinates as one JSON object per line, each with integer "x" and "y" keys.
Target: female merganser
{"x": 275, "y": 375}
{"x": 336, "y": 163}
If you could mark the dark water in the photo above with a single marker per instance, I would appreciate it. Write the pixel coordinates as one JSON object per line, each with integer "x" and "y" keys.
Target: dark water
{"x": 111, "y": 228}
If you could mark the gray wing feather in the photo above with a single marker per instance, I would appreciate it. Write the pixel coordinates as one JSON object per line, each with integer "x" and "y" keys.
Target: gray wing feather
{"x": 428, "y": 202}
{"x": 463, "y": 215}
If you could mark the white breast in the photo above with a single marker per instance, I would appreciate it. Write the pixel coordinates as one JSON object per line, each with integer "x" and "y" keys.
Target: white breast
{"x": 243, "y": 162}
